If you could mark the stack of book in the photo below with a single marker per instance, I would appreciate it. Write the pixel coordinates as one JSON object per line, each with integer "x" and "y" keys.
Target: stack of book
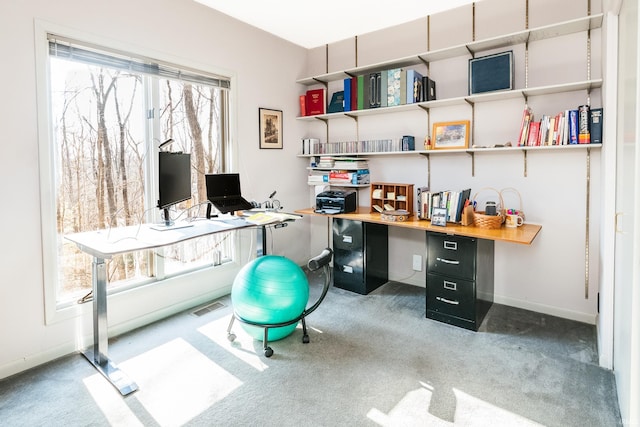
{"x": 317, "y": 177}
{"x": 453, "y": 201}
{"x": 313, "y": 102}
{"x": 326, "y": 162}
{"x": 386, "y": 88}
{"x": 350, "y": 177}
{"x": 351, "y": 163}
{"x": 578, "y": 126}
{"x": 339, "y": 171}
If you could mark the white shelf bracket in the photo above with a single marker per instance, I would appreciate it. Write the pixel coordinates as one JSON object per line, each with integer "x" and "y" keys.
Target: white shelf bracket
{"x": 322, "y": 82}
{"x": 326, "y": 123}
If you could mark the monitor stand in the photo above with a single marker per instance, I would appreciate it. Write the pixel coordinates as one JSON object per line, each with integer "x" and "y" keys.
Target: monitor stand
{"x": 216, "y": 215}
{"x": 171, "y": 226}
{"x": 168, "y": 224}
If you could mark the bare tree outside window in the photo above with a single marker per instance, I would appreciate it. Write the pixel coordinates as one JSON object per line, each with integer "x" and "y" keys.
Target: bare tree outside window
{"x": 103, "y": 151}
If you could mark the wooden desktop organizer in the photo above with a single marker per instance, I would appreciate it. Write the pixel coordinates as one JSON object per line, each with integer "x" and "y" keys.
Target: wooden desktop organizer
{"x": 385, "y": 195}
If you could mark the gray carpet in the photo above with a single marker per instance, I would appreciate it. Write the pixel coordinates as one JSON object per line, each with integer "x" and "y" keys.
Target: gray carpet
{"x": 372, "y": 360}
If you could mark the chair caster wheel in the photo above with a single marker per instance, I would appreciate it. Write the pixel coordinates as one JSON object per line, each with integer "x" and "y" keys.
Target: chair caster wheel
{"x": 305, "y": 339}
{"x": 231, "y": 337}
{"x": 268, "y": 352}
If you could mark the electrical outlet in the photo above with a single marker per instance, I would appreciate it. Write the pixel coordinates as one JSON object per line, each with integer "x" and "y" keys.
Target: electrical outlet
{"x": 417, "y": 262}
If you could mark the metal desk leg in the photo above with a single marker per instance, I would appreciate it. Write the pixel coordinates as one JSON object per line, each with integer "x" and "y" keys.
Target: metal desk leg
{"x": 98, "y": 355}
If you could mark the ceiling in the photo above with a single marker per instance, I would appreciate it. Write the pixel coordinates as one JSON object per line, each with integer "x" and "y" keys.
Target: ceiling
{"x": 312, "y": 24}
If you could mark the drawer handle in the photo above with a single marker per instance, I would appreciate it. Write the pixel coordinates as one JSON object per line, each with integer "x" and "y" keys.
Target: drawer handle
{"x": 450, "y": 285}
{"x": 347, "y": 269}
{"x": 448, "y": 261}
{"x": 347, "y": 239}
{"x": 451, "y": 245}
{"x": 448, "y": 301}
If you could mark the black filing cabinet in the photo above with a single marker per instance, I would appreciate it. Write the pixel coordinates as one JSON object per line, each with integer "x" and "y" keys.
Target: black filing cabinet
{"x": 360, "y": 255}
{"x": 459, "y": 279}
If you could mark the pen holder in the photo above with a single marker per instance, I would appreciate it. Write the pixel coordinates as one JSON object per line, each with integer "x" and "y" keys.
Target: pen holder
{"x": 519, "y": 211}
{"x": 481, "y": 220}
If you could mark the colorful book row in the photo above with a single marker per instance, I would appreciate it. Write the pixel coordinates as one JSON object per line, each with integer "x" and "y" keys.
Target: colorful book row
{"x": 453, "y": 201}
{"x": 314, "y": 146}
{"x": 578, "y": 126}
{"x": 385, "y": 88}
{"x": 359, "y": 177}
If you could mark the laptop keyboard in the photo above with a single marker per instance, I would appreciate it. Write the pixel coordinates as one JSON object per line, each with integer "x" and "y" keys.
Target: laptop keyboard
{"x": 232, "y": 205}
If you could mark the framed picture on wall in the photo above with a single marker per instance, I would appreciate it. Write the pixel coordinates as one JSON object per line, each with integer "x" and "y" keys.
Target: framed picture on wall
{"x": 270, "y": 128}
{"x": 451, "y": 135}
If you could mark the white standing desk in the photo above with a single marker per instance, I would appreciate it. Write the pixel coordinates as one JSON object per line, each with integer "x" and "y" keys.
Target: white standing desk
{"x": 104, "y": 244}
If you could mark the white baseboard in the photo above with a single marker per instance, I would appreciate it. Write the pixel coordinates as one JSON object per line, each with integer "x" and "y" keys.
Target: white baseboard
{"x": 37, "y": 359}
{"x": 77, "y": 345}
{"x": 546, "y": 309}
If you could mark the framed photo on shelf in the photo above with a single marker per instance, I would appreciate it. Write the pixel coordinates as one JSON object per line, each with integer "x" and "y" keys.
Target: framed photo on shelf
{"x": 439, "y": 216}
{"x": 451, "y": 135}
{"x": 270, "y": 128}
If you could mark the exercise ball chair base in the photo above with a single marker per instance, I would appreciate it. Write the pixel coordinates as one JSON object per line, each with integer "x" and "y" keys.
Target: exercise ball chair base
{"x": 286, "y": 327}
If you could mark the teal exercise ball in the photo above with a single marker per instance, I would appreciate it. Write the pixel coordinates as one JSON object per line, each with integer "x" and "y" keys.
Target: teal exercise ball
{"x": 268, "y": 290}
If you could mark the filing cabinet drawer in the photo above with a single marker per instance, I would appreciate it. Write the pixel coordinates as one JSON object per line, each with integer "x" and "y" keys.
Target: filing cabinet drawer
{"x": 348, "y": 270}
{"x": 348, "y": 234}
{"x": 348, "y": 263}
{"x": 360, "y": 260}
{"x": 454, "y": 297}
{"x": 451, "y": 255}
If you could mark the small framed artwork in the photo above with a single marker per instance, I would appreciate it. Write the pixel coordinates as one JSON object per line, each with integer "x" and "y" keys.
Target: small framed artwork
{"x": 270, "y": 128}
{"x": 451, "y": 135}
{"x": 439, "y": 216}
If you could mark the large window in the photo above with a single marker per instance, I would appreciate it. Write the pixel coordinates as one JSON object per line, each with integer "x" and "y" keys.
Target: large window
{"x": 109, "y": 112}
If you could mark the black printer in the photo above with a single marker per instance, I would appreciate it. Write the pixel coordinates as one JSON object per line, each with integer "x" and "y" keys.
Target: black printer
{"x": 336, "y": 201}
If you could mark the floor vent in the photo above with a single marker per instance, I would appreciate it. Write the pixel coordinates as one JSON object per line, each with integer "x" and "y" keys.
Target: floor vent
{"x": 208, "y": 308}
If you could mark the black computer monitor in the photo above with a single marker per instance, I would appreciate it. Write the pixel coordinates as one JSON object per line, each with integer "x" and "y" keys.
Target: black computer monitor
{"x": 174, "y": 180}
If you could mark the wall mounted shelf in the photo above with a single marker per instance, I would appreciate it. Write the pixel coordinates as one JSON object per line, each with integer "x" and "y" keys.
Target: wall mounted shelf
{"x": 462, "y": 150}
{"x": 512, "y": 39}
{"x": 524, "y": 93}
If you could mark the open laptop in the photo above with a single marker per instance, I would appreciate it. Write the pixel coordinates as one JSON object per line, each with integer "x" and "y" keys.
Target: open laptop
{"x": 223, "y": 191}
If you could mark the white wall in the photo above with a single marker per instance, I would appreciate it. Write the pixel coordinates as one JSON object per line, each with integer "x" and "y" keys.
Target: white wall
{"x": 264, "y": 68}
{"x": 549, "y": 275}
{"x": 626, "y": 338}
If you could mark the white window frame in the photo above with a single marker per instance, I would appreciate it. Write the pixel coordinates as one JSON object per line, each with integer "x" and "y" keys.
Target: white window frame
{"x": 132, "y": 307}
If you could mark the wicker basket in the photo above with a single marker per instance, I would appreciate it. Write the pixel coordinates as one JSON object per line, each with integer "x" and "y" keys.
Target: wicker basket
{"x": 518, "y": 211}
{"x": 492, "y": 222}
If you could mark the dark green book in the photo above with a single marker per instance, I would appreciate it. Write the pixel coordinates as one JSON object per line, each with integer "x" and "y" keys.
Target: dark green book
{"x": 337, "y": 102}
{"x": 361, "y": 93}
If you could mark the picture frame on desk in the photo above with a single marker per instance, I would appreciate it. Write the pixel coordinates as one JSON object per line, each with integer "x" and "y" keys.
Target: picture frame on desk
{"x": 451, "y": 135}
{"x": 439, "y": 217}
{"x": 270, "y": 128}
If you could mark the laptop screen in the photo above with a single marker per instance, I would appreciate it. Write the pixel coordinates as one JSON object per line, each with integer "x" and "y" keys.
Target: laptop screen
{"x": 222, "y": 185}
